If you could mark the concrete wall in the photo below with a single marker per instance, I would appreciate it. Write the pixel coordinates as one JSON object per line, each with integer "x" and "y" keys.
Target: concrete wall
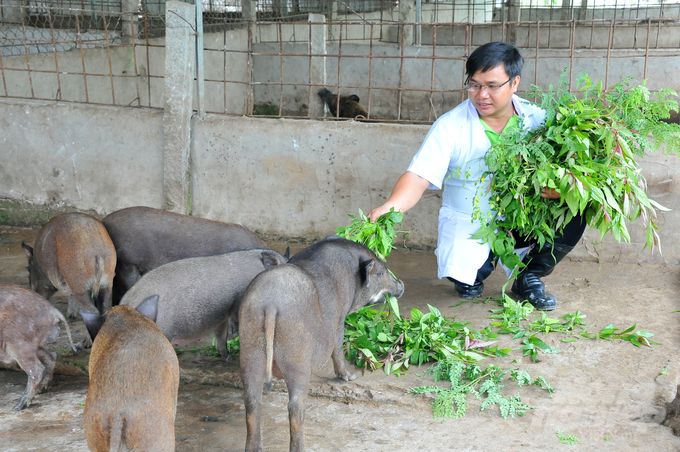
{"x": 281, "y": 178}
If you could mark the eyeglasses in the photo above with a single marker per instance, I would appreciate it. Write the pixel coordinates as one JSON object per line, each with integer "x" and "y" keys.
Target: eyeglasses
{"x": 491, "y": 89}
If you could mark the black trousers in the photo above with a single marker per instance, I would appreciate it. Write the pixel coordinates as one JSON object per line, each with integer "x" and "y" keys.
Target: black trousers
{"x": 570, "y": 236}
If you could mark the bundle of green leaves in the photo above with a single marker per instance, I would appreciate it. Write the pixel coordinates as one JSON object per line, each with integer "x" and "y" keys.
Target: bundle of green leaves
{"x": 586, "y": 149}
{"x": 378, "y": 236}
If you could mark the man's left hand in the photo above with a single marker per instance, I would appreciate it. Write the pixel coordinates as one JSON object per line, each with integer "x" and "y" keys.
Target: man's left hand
{"x": 550, "y": 193}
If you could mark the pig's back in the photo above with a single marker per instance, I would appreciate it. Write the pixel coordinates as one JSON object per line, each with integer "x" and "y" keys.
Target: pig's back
{"x": 196, "y": 294}
{"x": 68, "y": 246}
{"x": 150, "y": 237}
{"x": 134, "y": 373}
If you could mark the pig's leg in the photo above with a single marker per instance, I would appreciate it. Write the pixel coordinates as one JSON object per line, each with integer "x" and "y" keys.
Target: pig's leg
{"x": 49, "y": 360}
{"x": 221, "y": 339}
{"x": 339, "y": 361}
{"x": 34, "y": 369}
{"x": 298, "y": 387}
{"x": 253, "y": 368}
{"x": 73, "y": 308}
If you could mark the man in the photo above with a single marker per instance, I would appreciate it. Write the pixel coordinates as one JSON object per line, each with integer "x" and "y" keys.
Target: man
{"x": 452, "y": 157}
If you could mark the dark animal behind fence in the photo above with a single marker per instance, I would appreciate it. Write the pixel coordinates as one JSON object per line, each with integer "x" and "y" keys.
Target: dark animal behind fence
{"x": 349, "y": 105}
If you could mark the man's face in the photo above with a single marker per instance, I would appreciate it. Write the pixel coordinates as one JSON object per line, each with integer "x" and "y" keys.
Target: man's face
{"x": 491, "y": 104}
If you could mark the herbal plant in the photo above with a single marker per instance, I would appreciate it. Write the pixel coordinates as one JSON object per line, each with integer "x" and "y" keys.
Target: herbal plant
{"x": 472, "y": 379}
{"x": 568, "y": 439}
{"x": 586, "y": 149}
{"x": 378, "y": 237}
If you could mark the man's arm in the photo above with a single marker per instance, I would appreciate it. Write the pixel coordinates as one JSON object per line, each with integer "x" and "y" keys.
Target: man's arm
{"x": 405, "y": 194}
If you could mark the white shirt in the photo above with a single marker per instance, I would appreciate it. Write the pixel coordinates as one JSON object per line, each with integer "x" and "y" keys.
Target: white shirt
{"x": 452, "y": 157}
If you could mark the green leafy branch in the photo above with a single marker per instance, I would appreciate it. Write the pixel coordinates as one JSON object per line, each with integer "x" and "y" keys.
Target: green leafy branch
{"x": 472, "y": 379}
{"x": 586, "y": 149}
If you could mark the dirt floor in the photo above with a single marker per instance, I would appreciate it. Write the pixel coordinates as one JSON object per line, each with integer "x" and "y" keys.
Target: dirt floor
{"x": 612, "y": 396}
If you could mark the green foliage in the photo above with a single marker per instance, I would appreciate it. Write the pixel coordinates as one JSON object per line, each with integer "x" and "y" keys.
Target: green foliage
{"x": 483, "y": 383}
{"x": 567, "y": 439}
{"x": 372, "y": 340}
{"x": 377, "y": 236}
{"x": 233, "y": 347}
{"x": 586, "y": 150}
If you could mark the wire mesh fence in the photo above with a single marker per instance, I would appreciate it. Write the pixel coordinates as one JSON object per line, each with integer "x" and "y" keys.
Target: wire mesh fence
{"x": 265, "y": 58}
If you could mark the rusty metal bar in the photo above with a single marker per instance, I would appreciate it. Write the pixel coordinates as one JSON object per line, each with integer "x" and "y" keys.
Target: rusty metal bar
{"x": 434, "y": 51}
{"x": 82, "y": 57}
{"x": 609, "y": 50}
{"x": 370, "y": 73}
{"x": 309, "y": 72}
{"x": 249, "y": 77}
{"x": 108, "y": 53}
{"x": 337, "y": 100}
{"x": 571, "y": 59}
{"x": 401, "y": 72}
{"x": 649, "y": 29}
{"x": 282, "y": 78}
{"x": 538, "y": 37}
{"x": 28, "y": 62}
{"x": 56, "y": 59}
{"x": 133, "y": 34}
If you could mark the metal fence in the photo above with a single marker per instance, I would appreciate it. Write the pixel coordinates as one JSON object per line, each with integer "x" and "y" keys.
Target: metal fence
{"x": 402, "y": 69}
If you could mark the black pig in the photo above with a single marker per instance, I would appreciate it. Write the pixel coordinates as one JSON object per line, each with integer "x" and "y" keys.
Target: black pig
{"x": 292, "y": 319}
{"x": 349, "y": 105}
{"x": 147, "y": 238}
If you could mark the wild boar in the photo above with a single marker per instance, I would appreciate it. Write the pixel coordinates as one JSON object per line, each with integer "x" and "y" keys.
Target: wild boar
{"x": 134, "y": 376}
{"x": 201, "y": 294}
{"x": 292, "y": 319}
{"x": 28, "y": 323}
{"x": 147, "y": 238}
{"x": 73, "y": 253}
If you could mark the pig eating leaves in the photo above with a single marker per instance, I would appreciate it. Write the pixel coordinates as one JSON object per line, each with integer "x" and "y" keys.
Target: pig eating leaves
{"x": 292, "y": 319}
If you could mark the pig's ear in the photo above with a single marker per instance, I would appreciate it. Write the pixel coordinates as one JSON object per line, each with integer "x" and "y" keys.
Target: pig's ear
{"x": 27, "y": 249}
{"x": 287, "y": 254}
{"x": 366, "y": 268}
{"x": 269, "y": 259}
{"x": 149, "y": 307}
{"x": 353, "y": 97}
{"x": 93, "y": 322}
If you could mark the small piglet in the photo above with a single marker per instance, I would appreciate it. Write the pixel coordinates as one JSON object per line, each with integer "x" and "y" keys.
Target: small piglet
{"x": 146, "y": 238}
{"x": 28, "y": 323}
{"x": 73, "y": 253}
{"x": 201, "y": 294}
{"x": 134, "y": 376}
{"x": 292, "y": 319}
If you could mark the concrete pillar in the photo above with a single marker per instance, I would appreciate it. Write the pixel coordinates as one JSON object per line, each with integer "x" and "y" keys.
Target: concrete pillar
{"x": 180, "y": 57}
{"x": 249, "y": 13}
{"x": 317, "y": 46}
{"x": 130, "y": 26}
{"x": 407, "y": 14}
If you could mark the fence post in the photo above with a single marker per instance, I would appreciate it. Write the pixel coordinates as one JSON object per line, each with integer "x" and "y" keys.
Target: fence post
{"x": 200, "y": 79}
{"x": 178, "y": 93}
{"x": 407, "y": 15}
{"x": 317, "y": 68}
{"x": 129, "y": 9}
{"x": 249, "y": 14}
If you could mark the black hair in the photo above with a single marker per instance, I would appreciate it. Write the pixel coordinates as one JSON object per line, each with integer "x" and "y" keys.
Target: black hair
{"x": 492, "y": 54}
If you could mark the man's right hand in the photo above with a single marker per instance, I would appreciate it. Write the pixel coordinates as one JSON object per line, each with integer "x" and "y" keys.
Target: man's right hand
{"x": 377, "y": 212}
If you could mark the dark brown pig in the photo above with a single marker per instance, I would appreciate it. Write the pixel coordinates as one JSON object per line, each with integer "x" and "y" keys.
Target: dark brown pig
{"x": 292, "y": 319}
{"x": 73, "y": 253}
{"x": 147, "y": 238}
{"x": 28, "y": 323}
{"x": 134, "y": 375}
{"x": 201, "y": 294}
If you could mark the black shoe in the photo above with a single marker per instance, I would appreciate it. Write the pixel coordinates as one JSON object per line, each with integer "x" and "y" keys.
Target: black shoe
{"x": 468, "y": 292}
{"x": 528, "y": 286}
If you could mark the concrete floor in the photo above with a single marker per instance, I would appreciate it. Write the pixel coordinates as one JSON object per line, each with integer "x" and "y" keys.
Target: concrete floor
{"x": 610, "y": 395}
